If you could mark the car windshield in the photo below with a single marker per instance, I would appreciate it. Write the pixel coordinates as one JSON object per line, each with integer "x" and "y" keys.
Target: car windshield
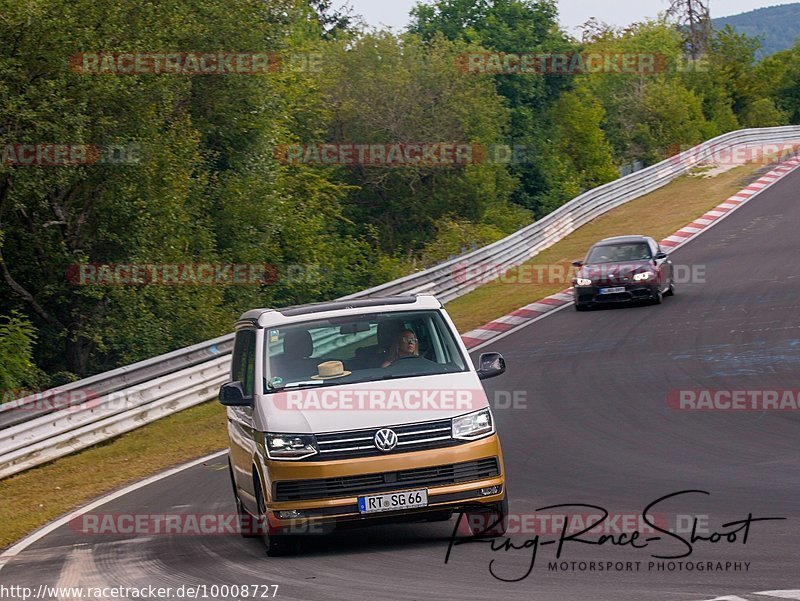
{"x": 619, "y": 253}
{"x": 363, "y": 348}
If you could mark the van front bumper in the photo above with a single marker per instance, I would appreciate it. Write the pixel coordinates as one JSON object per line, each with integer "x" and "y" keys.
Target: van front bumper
{"x": 454, "y": 475}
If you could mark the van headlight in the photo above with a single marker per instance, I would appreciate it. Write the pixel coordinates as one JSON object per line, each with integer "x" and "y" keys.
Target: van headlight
{"x": 645, "y": 275}
{"x": 583, "y": 281}
{"x": 290, "y": 446}
{"x": 473, "y": 425}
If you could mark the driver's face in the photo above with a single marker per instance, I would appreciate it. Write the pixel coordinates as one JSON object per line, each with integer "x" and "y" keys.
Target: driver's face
{"x": 408, "y": 342}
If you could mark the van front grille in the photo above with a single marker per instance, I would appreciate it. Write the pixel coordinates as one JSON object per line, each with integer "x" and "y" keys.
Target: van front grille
{"x": 350, "y": 486}
{"x": 361, "y": 443}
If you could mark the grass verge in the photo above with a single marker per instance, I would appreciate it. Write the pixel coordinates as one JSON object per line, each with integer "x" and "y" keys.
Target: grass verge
{"x": 40, "y": 495}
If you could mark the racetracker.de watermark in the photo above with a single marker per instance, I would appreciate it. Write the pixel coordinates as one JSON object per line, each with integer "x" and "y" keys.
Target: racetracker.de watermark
{"x": 563, "y": 273}
{"x": 762, "y": 399}
{"x": 562, "y": 63}
{"x": 407, "y": 399}
{"x": 380, "y": 399}
{"x": 45, "y": 401}
{"x": 193, "y": 63}
{"x": 762, "y": 153}
{"x": 172, "y": 274}
{"x": 191, "y": 524}
{"x": 402, "y": 154}
{"x": 149, "y": 592}
{"x": 591, "y": 523}
{"x": 74, "y": 401}
{"x": 44, "y": 154}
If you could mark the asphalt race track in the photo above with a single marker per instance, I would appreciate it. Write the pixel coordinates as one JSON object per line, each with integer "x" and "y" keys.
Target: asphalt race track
{"x": 595, "y": 429}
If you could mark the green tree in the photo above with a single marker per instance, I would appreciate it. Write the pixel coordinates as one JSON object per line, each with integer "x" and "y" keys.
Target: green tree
{"x": 577, "y": 117}
{"x": 777, "y": 78}
{"x": 17, "y": 336}
{"x": 513, "y": 26}
{"x": 206, "y": 189}
{"x": 383, "y": 89}
{"x": 732, "y": 60}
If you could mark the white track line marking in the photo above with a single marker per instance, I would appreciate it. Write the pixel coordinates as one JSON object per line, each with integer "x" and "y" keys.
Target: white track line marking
{"x": 26, "y": 542}
{"x": 795, "y": 594}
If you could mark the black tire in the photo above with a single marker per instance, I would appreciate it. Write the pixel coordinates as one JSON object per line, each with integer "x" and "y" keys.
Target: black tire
{"x": 277, "y": 545}
{"x": 671, "y": 290}
{"x": 581, "y": 307}
{"x": 246, "y": 521}
{"x": 490, "y": 523}
{"x": 658, "y": 296}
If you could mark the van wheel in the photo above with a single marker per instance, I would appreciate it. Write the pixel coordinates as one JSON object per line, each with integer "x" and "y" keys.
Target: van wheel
{"x": 489, "y": 523}
{"x": 246, "y": 521}
{"x": 277, "y": 545}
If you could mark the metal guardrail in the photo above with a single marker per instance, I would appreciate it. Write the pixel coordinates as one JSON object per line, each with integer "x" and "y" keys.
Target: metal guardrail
{"x": 109, "y": 404}
{"x": 120, "y": 379}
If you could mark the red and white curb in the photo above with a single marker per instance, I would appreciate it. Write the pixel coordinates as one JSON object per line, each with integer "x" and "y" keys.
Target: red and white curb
{"x": 529, "y": 313}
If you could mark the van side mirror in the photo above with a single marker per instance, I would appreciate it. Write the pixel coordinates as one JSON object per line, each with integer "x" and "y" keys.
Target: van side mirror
{"x": 660, "y": 255}
{"x": 577, "y": 263}
{"x": 491, "y": 365}
{"x": 232, "y": 395}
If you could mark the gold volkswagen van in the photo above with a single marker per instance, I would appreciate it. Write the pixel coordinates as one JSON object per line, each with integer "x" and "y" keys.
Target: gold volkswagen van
{"x": 353, "y": 412}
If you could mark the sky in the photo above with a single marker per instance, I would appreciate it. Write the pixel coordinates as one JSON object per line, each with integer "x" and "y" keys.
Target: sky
{"x": 394, "y": 13}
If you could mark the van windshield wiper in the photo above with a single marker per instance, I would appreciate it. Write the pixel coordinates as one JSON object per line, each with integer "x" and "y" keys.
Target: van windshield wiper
{"x": 299, "y": 385}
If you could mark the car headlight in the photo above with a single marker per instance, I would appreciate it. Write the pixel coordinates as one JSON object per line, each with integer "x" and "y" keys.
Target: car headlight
{"x": 473, "y": 425}
{"x": 290, "y": 446}
{"x": 583, "y": 282}
{"x": 645, "y": 275}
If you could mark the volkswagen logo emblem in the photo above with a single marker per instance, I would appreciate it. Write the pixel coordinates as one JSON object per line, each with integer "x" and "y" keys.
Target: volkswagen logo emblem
{"x": 385, "y": 439}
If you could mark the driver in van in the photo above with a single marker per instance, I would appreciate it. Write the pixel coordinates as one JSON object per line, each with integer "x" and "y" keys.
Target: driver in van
{"x": 406, "y": 345}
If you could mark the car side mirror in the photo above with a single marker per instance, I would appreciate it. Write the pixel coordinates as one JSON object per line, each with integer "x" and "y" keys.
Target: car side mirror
{"x": 577, "y": 263}
{"x": 232, "y": 395}
{"x": 491, "y": 365}
{"x": 660, "y": 256}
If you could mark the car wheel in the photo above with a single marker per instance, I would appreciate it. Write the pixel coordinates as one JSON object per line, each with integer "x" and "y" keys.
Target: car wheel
{"x": 489, "y": 523}
{"x": 581, "y": 307}
{"x": 658, "y": 296}
{"x": 277, "y": 545}
{"x": 671, "y": 290}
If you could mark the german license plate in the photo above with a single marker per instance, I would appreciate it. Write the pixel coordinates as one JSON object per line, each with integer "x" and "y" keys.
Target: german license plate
{"x": 395, "y": 501}
{"x": 616, "y": 290}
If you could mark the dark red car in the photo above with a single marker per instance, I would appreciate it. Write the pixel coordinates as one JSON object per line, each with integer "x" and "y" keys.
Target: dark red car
{"x": 623, "y": 269}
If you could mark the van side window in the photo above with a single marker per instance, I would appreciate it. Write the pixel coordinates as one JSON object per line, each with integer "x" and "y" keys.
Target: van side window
{"x": 243, "y": 364}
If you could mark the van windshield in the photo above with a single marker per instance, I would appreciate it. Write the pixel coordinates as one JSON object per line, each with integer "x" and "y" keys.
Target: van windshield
{"x": 362, "y": 348}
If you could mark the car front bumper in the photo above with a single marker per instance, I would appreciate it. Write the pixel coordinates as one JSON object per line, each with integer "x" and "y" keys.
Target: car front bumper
{"x": 319, "y": 515}
{"x": 587, "y": 295}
